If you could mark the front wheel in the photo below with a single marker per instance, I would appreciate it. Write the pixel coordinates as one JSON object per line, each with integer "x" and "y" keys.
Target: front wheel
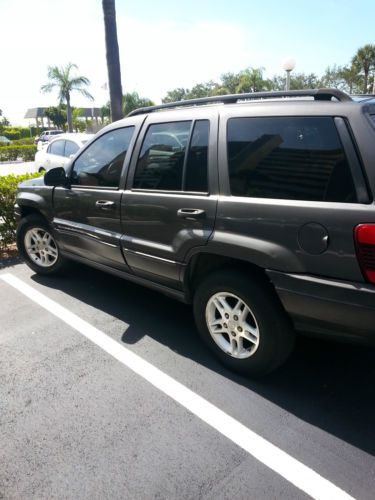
{"x": 242, "y": 322}
{"x": 37, "y": 245}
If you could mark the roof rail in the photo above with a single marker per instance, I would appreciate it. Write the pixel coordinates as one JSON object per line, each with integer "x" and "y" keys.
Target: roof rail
{"x": 317, "y": 94}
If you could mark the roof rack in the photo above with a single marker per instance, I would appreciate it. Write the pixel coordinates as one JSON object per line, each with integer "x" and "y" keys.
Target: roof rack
{"x": 317, "y": 94}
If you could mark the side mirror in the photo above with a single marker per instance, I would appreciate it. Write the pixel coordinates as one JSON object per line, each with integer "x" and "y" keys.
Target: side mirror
{"x": 56, "y": 177}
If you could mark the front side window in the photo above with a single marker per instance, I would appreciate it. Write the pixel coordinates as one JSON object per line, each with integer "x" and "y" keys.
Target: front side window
{"x": 292, "y": 158}
{"x": 57, "y": 148}
{"x": 101, "y": 163}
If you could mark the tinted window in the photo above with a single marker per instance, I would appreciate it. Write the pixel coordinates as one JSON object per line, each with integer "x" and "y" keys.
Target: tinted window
{"x": 161, "y": 160}
{"x": 288, "y": 158}
{"x": 57, "y": 148}
{"x": 70, "y": 148}
{"x": 196, "y": 167}
{"x": 101, "y": 163}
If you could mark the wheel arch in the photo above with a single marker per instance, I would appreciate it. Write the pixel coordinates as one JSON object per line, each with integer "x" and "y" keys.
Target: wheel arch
{"x": 26, "y": 210}
{"x": 202, "y": 264}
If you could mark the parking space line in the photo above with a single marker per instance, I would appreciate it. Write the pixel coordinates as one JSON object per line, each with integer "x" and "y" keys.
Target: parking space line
{"x": 265, "y": 452}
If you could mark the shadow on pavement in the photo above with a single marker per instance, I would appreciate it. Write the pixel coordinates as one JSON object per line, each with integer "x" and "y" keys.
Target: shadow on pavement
{"x": 327, "y": 384}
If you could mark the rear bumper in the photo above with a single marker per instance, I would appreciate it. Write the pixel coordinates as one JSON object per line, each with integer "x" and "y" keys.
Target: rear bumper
{"x": 323, "y": 306}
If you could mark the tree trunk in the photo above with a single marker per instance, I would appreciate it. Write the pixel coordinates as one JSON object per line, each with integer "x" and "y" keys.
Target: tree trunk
{"x": 365, "y": 83}
{"x": 69, "y": 114}
{"x": 113, "y": 59}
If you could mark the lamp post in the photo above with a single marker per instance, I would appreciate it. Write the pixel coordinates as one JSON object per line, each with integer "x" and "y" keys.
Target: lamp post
{"x": 288, "y": 66}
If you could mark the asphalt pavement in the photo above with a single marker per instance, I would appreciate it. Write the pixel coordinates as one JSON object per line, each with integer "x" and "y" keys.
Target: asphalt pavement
{"x": 78, "y": 423}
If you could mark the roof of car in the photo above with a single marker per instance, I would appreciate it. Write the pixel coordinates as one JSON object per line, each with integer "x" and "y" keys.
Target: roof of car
{"x": 74, "y": 136}
{"x": 284, "y": 96}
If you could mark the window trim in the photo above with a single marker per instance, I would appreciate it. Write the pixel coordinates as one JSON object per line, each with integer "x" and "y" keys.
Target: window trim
{"x": 125, "y": 162}
{"x": 192, "y": 121}
{"x": 347, "y": 142}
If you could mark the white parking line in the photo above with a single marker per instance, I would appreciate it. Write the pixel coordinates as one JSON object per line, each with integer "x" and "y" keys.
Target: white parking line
{"x": 270, "y": 455}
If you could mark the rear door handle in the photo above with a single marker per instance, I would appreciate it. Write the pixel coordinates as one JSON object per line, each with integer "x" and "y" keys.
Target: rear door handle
{"x": 191, "y": 213}
{"x": 105, "y": 204}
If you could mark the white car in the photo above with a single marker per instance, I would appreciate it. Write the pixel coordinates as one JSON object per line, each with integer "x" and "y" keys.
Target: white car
{"x": 45, "y": 137}
{"x": 59, "y": 151}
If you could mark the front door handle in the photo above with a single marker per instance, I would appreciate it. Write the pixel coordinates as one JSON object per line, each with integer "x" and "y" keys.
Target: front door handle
{"x": 105, "y": 204}
{"x": 191, "y": 213}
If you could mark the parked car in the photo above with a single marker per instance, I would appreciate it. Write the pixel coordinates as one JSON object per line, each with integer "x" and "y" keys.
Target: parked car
{"x": 259, "y": 211}
{"x": 4, "y": 140}
{"x": 59, "y": 151}
{"x": 46, "y": 136}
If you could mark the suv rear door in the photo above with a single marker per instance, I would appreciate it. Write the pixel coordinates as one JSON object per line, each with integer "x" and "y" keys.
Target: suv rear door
{"x": 170, "y": 202}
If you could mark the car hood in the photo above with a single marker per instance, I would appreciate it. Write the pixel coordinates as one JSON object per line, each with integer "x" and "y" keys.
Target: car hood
{"x": 37, "y": 181}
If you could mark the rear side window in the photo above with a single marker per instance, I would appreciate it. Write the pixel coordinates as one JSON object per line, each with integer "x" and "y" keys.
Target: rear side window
{"x": 161, "y": 160}
{"x": 57, "y": 148}
{"x": 101, "y": 163}
{"x": 196, "y": 168}
{"x": 292, "y": 158}
{"x": 174, "y": 157}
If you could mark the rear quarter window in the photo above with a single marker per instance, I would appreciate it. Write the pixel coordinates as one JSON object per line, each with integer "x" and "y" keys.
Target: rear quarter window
{"x": 292, "y": 158}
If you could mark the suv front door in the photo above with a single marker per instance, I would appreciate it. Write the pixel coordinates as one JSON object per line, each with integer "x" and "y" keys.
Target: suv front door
{"x": 169, "y": 205}
{"x": 87, "y": 214}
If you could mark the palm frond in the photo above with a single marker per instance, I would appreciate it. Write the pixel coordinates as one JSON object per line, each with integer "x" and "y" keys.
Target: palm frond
{"x": 48, "y": 87}
{"x": 62, "y": 79}
{"x": 85, "y": 93}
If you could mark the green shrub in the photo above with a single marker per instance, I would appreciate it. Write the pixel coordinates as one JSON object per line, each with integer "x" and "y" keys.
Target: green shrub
{"x": 29, "y": 141}
{"x": 16, "y": 133}
{"x": 23, "y": 142}
{"x": 13, "y": 153}
{"x": 8, "y": 191}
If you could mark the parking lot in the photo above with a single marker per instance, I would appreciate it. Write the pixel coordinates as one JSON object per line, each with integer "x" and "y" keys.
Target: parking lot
{"x": 107, "y": 392}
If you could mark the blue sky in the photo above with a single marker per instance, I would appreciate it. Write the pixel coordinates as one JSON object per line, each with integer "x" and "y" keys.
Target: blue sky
{"x": 166, "y": 44}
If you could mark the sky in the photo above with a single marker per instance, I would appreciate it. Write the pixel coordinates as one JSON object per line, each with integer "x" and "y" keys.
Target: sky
{"x": 166, "y": 44}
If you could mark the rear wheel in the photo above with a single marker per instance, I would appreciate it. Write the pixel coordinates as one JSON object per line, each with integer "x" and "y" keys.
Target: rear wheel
{"x": 242, "y": 322}
{"x": 37, "y": 245}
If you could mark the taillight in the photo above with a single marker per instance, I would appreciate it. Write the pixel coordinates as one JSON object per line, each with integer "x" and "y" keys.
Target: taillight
{"x": 364, "y": 235}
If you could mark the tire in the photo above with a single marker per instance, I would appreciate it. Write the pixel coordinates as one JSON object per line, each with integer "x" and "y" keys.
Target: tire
{"x": 41, "y": 255}
{"x": 41, "y": 170}
{"x": 255, "y": 343}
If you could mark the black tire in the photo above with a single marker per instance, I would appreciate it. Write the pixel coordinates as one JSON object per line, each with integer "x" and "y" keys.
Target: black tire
{"x": 276, "y": 335}
{"x": 41, "y": 170}
{"x": 36, "y": 221}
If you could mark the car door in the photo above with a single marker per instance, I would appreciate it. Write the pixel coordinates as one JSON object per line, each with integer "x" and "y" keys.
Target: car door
{"x": 55, "y": 154}
{"x": 170, "y": 202}
{"x": 87, "y": 214}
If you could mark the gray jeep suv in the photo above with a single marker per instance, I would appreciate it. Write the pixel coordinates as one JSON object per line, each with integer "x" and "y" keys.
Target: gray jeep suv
{"x": 256, "y": 208}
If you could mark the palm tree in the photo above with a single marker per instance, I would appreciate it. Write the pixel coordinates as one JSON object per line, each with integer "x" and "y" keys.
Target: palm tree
{"x": 132, "y": 101}
{"x": 252, "y": 81}
{"x": 66, "y": 83}
{"x": 364, "y": 60}
{"x": 113, "y": 59}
